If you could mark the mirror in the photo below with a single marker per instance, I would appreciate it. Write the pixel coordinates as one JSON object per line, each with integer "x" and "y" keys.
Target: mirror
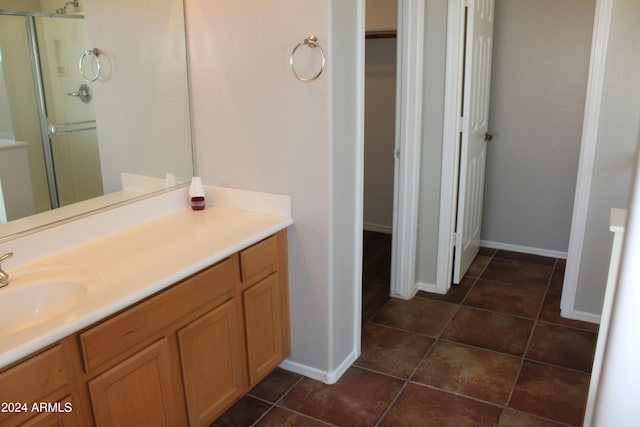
{"x": 84, "y": 129}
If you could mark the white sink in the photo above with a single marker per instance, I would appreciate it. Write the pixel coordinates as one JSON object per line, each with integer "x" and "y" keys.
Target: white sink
{"x": 34, "y": 297}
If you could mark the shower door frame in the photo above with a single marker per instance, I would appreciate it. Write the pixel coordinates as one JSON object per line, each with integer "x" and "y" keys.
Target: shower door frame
{"x": 36, "y": 70}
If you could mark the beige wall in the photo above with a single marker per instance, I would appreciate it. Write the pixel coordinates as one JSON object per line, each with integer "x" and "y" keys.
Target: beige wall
{"x": 257, "y": 127}
{"x": 540, "y": 66}
{"x": 141, "y": 100}
{"x": 381, "y": 15}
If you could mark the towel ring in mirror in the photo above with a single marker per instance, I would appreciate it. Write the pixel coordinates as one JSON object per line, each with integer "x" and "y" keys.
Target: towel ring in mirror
{"x": 94, "y": 54}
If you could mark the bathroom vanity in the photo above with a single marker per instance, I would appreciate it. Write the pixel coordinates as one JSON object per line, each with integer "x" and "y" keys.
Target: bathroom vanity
{"x": 153, "y": 343}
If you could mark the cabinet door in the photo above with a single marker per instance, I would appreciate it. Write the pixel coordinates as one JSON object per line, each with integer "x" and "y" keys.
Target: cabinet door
{"x": 211, "y": 357}
{"x": 42, "y": 378}
{"x": 263, "y": 327}
{"x": 60, "y": 417}
{"x": 138, "y": 392}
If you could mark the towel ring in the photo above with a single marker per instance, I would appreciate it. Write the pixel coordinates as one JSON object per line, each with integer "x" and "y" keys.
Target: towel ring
{"x": 94, "y": 53}
{"x": 312, "y": 42}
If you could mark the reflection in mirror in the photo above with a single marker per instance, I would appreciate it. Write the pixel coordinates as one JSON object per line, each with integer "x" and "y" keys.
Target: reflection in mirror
{"x": 6, "y": 121}
{"x": 69, "y": 146}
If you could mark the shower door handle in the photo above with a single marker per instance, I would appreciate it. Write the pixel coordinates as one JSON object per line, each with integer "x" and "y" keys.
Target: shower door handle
{"x": 66, "y": 128}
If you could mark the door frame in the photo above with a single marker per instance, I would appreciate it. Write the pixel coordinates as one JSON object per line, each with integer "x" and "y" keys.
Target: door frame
{"x": 409, "y": 98}
{"x": 405, "y": 223}
{"x": 450, "y": 144}
{"x": 407, "y": 148}
{"x": 588, "y": 145}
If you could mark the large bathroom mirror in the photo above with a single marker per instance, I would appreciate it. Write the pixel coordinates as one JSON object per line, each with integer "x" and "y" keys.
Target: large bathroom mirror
{"x": 94, "y": 106}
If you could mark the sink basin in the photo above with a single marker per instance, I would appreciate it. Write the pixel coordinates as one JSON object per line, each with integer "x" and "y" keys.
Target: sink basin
{"x": 36, "y": 297}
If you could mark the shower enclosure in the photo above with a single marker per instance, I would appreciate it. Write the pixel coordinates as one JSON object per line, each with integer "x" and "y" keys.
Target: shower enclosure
{"x": 50, "y": 105}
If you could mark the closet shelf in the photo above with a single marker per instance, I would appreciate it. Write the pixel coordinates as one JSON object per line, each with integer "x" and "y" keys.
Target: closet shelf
{"x": 386, "y": 34}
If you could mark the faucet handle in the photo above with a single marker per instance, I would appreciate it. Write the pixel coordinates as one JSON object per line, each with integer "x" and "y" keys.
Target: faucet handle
{"x": 5, "y": 256}
{"x": 4, "y": 277}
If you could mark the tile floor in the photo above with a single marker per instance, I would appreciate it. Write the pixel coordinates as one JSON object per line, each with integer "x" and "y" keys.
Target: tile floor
{"x": 493, "y": 351}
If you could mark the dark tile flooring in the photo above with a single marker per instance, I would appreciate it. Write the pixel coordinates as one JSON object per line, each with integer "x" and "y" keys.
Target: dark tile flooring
{"x": 493, "y": 351}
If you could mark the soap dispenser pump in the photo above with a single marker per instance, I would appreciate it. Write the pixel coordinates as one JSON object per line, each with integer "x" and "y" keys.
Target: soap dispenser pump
{"x": 196, "y": 194}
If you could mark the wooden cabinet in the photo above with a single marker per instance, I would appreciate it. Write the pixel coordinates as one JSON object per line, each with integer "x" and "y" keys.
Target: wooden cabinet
{"x": 180, "y": 357}
{"x": 60, "y": 416}
{"x": 39, "y": 390}
{"x": 211, "y": 357}
{"x": 265, "y": 305}
{"x": 138, "y": 326}
{"x": 138, "y": 391}
{"x": 263, "y": 326}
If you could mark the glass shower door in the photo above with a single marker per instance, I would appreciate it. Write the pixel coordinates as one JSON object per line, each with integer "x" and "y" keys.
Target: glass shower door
{"x": 69, "y": 109}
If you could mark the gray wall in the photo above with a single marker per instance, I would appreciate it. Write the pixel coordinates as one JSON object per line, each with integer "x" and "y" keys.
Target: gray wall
{"x": 618, "y": 138}
{"x": 431, "y": 154}
{"x": 540, "y": 66}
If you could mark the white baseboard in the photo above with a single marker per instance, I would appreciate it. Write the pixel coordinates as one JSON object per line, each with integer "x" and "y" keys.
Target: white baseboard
{"x": 581, "y": 315}
{"x": 428, "y": 287}
{"x": 334, "y": 376}
{"x": 318, "y": 374}
{"x": 523, "y": 249}
{"x": 307, "y": 371}
{"x": 380, "y": 228}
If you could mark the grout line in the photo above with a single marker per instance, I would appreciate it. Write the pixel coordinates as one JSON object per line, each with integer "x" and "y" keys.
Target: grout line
{"x": 384, "y": 374}
{"x": 577, "y": 328}
{"x": 426, "y": 355}
{"x": 553, "y": 365}
{"x": 490, "y": 350}
{"x": 395, "y": 328}
{"x": 457, "y": 393}
{"x": 517, "y": 316}
{"x": 273, "y": 404}
{"x": 302, "y": 414}
{"x": 428, "y": 352}
{"x": 391, "y": 404}
{"x": 517, "y": 285}
{"x": 542, "y": 418}
{"x": 526, "y": 348}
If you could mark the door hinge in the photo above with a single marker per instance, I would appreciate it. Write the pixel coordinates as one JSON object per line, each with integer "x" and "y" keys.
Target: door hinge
{"x": 462, "y": 124}
{"x": 396, "y": 153}
{"x": 457, "y": 239}
{"x": 467, "y": 3}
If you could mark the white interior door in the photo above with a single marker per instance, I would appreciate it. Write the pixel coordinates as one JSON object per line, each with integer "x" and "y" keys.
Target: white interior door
{"x": 474, "y": 133}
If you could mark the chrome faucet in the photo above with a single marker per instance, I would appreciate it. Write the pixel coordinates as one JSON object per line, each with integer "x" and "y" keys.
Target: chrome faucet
{"x": 4, "y": 277}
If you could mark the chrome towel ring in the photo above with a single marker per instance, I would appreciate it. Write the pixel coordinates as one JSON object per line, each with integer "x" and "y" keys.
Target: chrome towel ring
{"x": 312, "y": 42}
{"x": 90, "y": 53}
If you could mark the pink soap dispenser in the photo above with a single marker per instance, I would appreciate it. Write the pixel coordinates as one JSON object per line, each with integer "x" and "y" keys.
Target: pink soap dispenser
{"x": 196, "y": 194}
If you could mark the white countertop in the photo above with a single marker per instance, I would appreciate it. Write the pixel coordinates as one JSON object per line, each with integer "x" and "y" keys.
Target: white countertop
{"x": 136, "y": 262}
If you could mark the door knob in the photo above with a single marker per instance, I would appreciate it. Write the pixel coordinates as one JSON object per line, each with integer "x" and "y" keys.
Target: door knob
{"x": 487, "y": 136}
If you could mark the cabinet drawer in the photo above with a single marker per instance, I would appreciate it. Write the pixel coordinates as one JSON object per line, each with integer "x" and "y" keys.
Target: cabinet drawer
{"x": 259, "y": 260}
{"x": 35, "y": 378}
{"x": 120, "y": 334}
